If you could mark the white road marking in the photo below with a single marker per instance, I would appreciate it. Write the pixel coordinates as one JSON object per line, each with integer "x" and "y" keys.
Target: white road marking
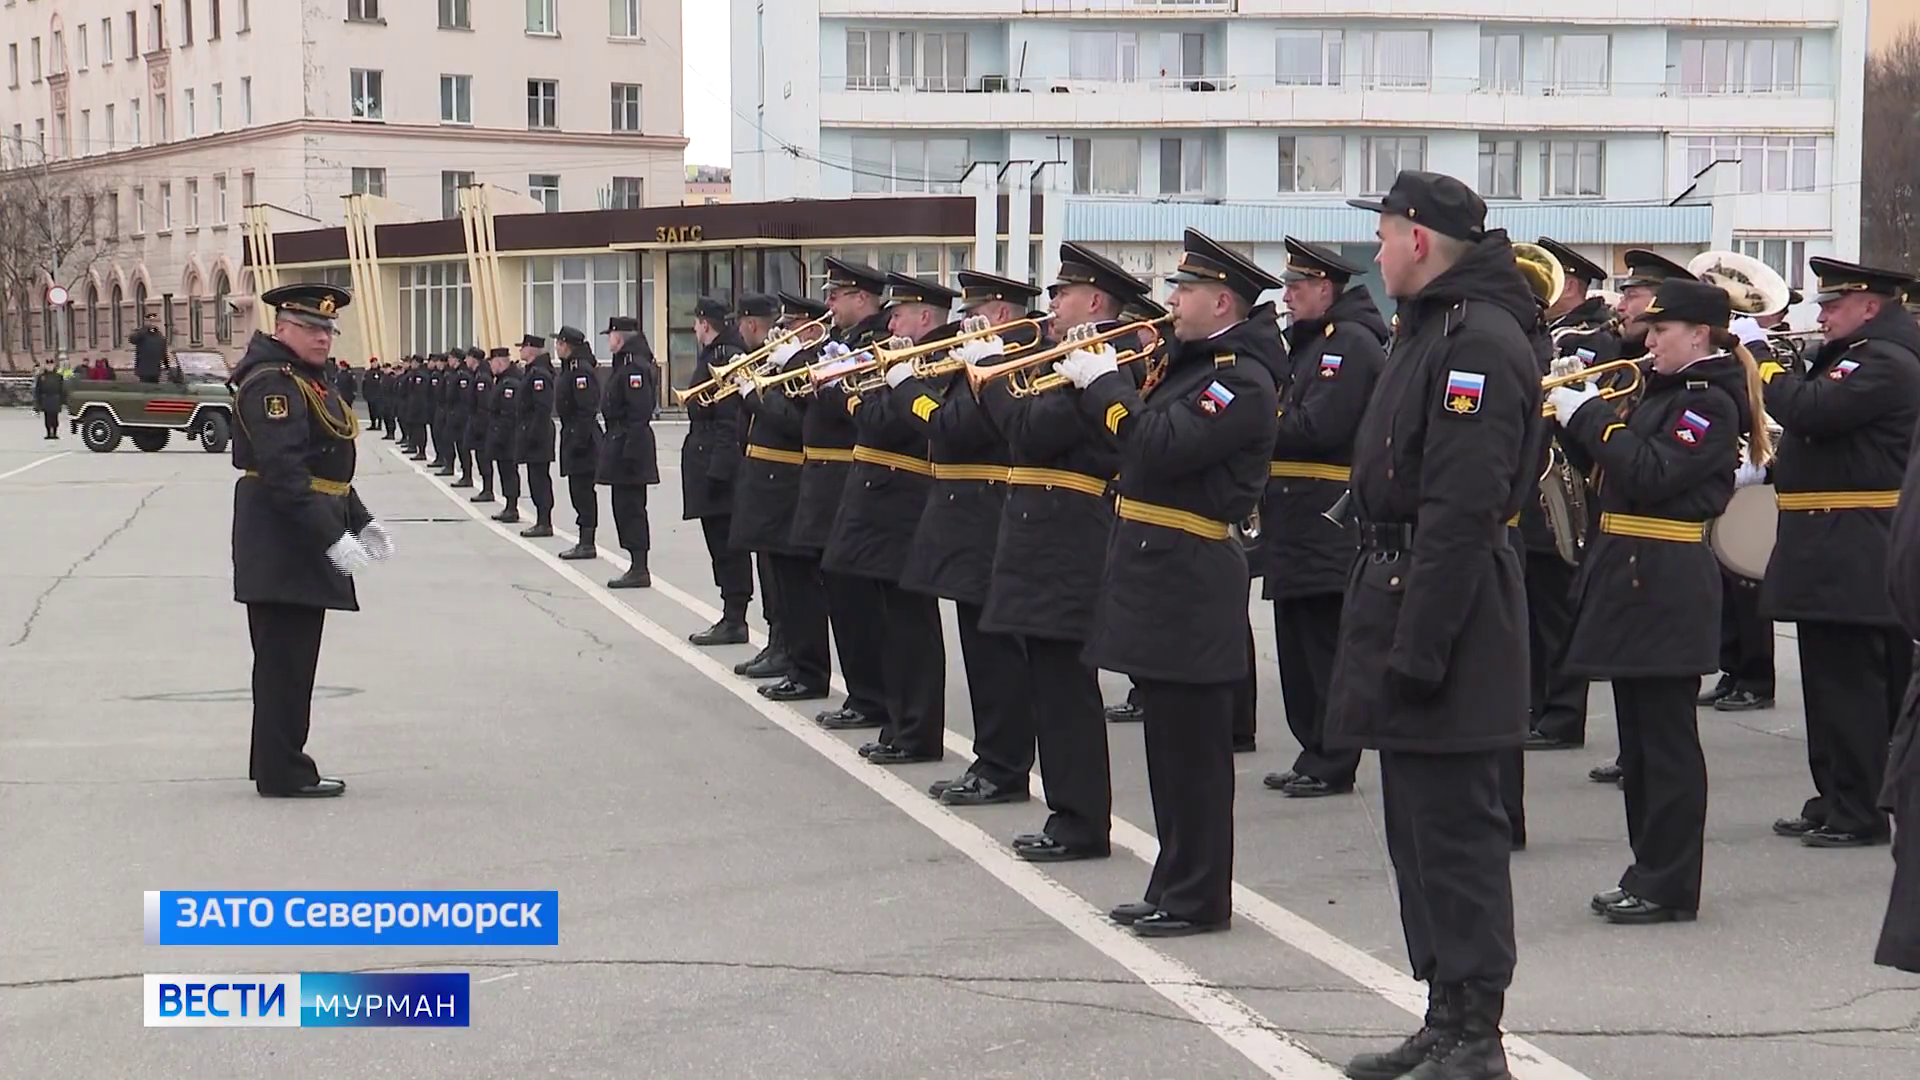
{"x": 1525, "y": 1060}
{"x": 35, "y": 464}
{"x": 1274, "y": 1052}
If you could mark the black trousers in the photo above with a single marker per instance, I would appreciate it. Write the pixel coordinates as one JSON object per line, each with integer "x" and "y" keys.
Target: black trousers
{"x": 630, "y": 518}
{"x": 484, "y": 465}
{"x": 1513, "y": 792}
{"x": 1664, "y": 773}
{"x": 803, "y": 617}
{"x": 540, "y": 486}
{"x": 858, "y": 612}
{"x": 442, "y": 442}
{"x": 586, "y": 501}
{"x": 1559, "y": 702}
{"x": 1306, "y": 629}
{"x": 1002, "y": 699}
{"x": 52, "y": 418}
{"x": 732, "y": 570}
{"x": 286, "y": 651}
{"x": 1189, "y": 738}
{"x": 1070, "y": 725}
{"x": 509, "y": 478}
{"x": 1853, "y": 678}
{"x": 387, "y": 418}
{"x": 1246, "y": 699}
{"x": 1447, "y": 837}
{"x": 1746, "y": 636}
{"x": 769, "y": 598}
{"x": 913, "y": 663}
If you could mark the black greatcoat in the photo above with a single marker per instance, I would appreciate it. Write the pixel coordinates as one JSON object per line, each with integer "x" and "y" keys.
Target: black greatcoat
{"x": 1446, "y": 449}
{"x": 1324, "y": 378}
{"x": 460, "y": 405}
{"x": 436, "y": 403}
{"x": 1174, "y": 607}
{"x": 827, "y": 427}
{"x": 49, "y": 391}
{"x": 1585, "y": 332}
{"x": 419, "y": 407}
{"x": 480, "y": 411}
{"x": 1849, "y": 423}
{"x": 534, "y": 440}
{"x": 766, "y": 492}
{"x": 628, "y": 454}
{"x": 283, "y": 525}
{"x": 1900, "y": 793}
{"x": 149, "y": 355}
{"x": 1652, "y": 607}
{"x": 577, "y": 403}
{"x": 710, "y": 455}
{"x": 504, "y": 403}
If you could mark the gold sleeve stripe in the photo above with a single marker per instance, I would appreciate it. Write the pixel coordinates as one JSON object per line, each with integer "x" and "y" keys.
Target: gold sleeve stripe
{"x": 1116, "y": 412}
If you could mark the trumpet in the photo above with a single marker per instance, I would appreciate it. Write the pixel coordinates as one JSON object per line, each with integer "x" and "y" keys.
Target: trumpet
{"x": 719, "y": 384}
{"x": 1555, "y": 382}
{"x": 926, "y": 367}
{"x": 1027, "y": 386}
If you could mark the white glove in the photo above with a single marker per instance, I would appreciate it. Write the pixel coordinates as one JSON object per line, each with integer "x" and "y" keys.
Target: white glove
{"x": 832, "y": 349}
{"x": 896, "y": 343}
{"x": 743, "y": 383}
{"x": 1565, "y": 365}
{"x": 1748, "y": 331}
{"x": 899, "y": 373}
{"x": 377, "y": 540}
{"x": 784, "y": 353}
{"x": 1566, "y": 401}
{"x": 348, "y": 554}
{"x": 1083, "y": 366}
{"x": 980, "y": 350}
{"x": 1749, "y": 474}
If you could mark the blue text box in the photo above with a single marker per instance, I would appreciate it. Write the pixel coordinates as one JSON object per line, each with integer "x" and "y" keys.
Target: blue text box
{"x": 352, "y": 917}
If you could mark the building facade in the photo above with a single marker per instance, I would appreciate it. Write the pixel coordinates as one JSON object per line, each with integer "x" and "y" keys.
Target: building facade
{"x": 1683, "y": 126}
{"x": 169, "y": 117}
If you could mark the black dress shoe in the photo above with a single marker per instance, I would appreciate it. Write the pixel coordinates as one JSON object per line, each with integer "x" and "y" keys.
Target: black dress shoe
{"x": 1124, "y": 713}
{"x": 1827, "y": 837}
{"x": 869, "y": 749}
{"x": 768, "y": 665}
{"x": 1308, "y": 787}
{"x": 509, "y": 516}
{"x": 977, "y": 790}
{"x": 898, "y": 755}
{"x": 848, "y": 720}
{"x": 1720, "y": 689}
{"x": 788, "y": 690}
{"x": 1795, "y": 826}
{"x": 741, "y": 667}
{"x": 1128, "y": 914}
{"x": 1743, "y": 701}
{"x": 580, "y": 552}
{"x": 324, "y": 788}
{"x": 444, "y": 470}
{"x": 1243, "y": 746}
{"x": 537, "y": 532}
{"x": 941, "y": 787}
{"x": 463, "y": 482}
{"x": 1539, "y": 741}
{"x": 1607, "y": 772}
{"x": 1279, "y": 780}
{"x": 1603, "y": 900}
{"x": 1160, "y": 924}
{"x": 1046, "y": 849}
{"x": 1633, "y": 910}
{"x": 483, "y": 496}
{"x": 724, "y": 632}
{"x": 636, "y": 577}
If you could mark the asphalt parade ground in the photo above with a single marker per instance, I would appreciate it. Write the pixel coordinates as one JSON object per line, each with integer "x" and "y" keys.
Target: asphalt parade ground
{"x": 742, "y": 896}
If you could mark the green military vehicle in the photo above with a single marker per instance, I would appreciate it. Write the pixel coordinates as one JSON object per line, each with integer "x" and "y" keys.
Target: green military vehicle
{"x": 191, "y": 397}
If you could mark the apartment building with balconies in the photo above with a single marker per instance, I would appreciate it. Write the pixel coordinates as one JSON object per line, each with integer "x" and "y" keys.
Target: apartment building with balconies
{"x": 1678, "y": 126}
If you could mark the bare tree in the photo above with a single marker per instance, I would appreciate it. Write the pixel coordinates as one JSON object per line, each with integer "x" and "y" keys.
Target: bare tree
{"x": 49, "y": 231}
{"x": 1890, "y": 179}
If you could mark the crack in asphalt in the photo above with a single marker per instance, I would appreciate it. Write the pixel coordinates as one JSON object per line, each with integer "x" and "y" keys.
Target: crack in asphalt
{"x": 528, "y": 592}
{"x": 39, "y": 602}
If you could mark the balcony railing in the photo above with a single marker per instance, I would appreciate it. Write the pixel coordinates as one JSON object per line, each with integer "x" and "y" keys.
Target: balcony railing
{"x": 1122, "y": 7}
{"x": 1055, "y": 84}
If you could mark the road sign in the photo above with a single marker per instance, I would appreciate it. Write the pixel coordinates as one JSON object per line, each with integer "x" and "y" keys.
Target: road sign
{"x": 57, "y": 296}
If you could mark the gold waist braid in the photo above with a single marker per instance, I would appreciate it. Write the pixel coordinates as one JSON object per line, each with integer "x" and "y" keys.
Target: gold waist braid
{"x": 1815, "y": 501}
{"x": 1653, "y": 528}
{"x": 324, "y": 487}
{"x": 992, "y": 474}
{"x": 1025, "y": 476}
{"x": 840, "y": 454}
{"x": 867, "y": 455}
{"x": 1308, "y": 470}
{"x": 1169, "y": 518}
{"x": 768, "y": 453}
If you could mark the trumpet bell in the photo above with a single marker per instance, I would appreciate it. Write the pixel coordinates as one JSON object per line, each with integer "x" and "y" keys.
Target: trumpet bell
{"x": 1542, "y": 269}
{"x": 1751, "y": 284}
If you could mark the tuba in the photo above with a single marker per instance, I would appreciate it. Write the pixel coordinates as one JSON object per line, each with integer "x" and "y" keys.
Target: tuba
{"x": 1563, "y": 491}
{"x": 1751, "y": 285}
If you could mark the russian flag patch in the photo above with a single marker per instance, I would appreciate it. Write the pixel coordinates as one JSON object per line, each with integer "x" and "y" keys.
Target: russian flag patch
{"x": 1464, "y": 389}
{"x": 1843, "y": 369}
{"x": 1215, "y": 398}
{"x": 1330, "y": 365}
{"x": 633, "y": 381}
{"x": 1691, "y": 427}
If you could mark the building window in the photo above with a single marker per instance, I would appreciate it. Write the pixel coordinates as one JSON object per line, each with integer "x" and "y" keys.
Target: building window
{"x": 623, "y": 18}
{"x": 193, "y": 117}
{"x": 626, "y": 107}
{"x": 110, "y": 131}
{"x": 246, "y": 15}
{"x": 1395, "y": 59}
{"x": 220, "y": 198}
{"x": 450, "y": 185}
{"x": 80, "y": 47}
{"x": 57, "y": 58}
{"x": 363, "y": 10}
{"x": 86, "y": 132}
{"x": 1578, "y": 63}
{"x": 246, "y": 101}
{"x": 541, "y": 17}
{"x": 456, "y": 99}
{"x": 1499, "y": 168}
{"x": 106, "y": 42}
{"x": 193, "y": 203}
{"x": 367, "y": 90}
{"x": 156, "y": 29}
{"x": 219, "y": 107}
{"x": 370, "y": 182}
{"x": 1385, "y": 158}
{"x": 37, "y": 75}
{"x": 1788, "y": 258}
{"x": 134, "y": 105}
{"x": 246, "y": 189}
{"x": 580, "y": 291}
{"x": 545, "y": 187}
{"x": 454, "y": 15}
{"x": 1500, "y": 64}
{"x": 1758, "y": 163}
{"x": 133, "y": 35}
{"x": 1312, "y": 163}
{"x": 1570, "y": 169}
{"x": 1183, "y": 166}
{"x": 13, "y": 66}
{"x": 543, "y": 103}
{"x": 1109, "y": 166}
{"x": 166, "y": 206}
{"x": 628, "y": 193}
{"x": 196, "y": 321}
{"x": 1740, "y": 65}
{"x": 222, "y": 310}
{"x": 1103, "y": 55}
{"x": 908, "y": 165}
{"x": 438, "y": 300}
{"x": 186, "y": 20}
{"x": 887, "y": 59}
{"x": 213, "y": 18}
{"x": 162, "y": 130}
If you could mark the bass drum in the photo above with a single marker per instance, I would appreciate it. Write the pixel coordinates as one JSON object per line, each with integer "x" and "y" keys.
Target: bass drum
{"x": 1742, "y": 538}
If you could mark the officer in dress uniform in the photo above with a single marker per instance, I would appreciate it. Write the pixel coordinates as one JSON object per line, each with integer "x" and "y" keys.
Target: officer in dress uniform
{"x": 855, "y": 606}
{"x": 629, "y": 459}
{"x": 756, "y": 319}
{"x": 437, "y": 375}
{"x": 1335, "y": 350}
{"x": 1195, "y": 438}
{"x": 577, "y": 404}
{"x": 534, "y": 436}
{"x": 1648, "y": 592}
{"x": 504, "y": 428}
{"x": 1848, "y": 425}
{"x": 412, "y": 429}
{"x": 447, "y": 433}
{"x": 1246, "y": 702}
{"x": 880, "y": 512}
{"x": 709, "y": 460}
{"x": 299, "y": 527}
{"x": 1899, "y": 945}
{"x": 1436, "y": 606}
{"x": 952, "y": 554}
{"x": 460, "y": 416}
{"x": 480, "y": 428}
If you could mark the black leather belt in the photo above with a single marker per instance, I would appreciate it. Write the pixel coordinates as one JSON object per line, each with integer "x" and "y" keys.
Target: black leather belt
{"x": 1386, "y": 536}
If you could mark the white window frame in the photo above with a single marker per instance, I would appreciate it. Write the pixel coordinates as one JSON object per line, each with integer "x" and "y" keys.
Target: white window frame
{"x": 456, "y": 15}
{"x": 907, "y": 59}
{"x": 1554, "y": 151}
{"x": 1560, "y": 81}
{"x": 623, "y": 20}
{"x": 543, "y": 104}
{"x": 246, "y": 101}
{"x": 1499, "y": 179}
{"x": 134, "y": 108}
{"x": 619, "y": 192}
{"x": 1503, "y": 63}
{"x": 438, "y": 301}
{"x": 57, "y": 53}
{"x": 1373, "y": 47}
{"x": 1769, "y": 164}
{"x": 547, "y": 195}
{"x": 219, "y": 199}
{"x": 908, "y": 164}
{"x": 1371, "y": 183}
{"x": 1724, "y": 65}
{"x": 1121, "y": 47}
{"x": 219, "y": 107}
{"x": 1192, "y": 165}
{"x": 628, "y": 115}
{"x": 112, "y": 136}
{"x": 246, "y": 16}
{"x": 1117, "y": 150}
{"x": 106, "y": 42}
{"x": 1787, "y": 255}
{"x": 366, "y": 95}
{"x": 166, "y": 206}
{"x": 451, "y": 181}
{"x": 363, "y": 11}
{"x": 543, "y": 18}
{"x": 247, "y": 189}
{"x": 193, "y": 204}
{"x": 80, "y": 47}
{"x": 187, "y": 98}
{"x": 456, "y": 100}
{"x": 368, "y": 180}
{"x": 139, "y": 210}
{"x": 581, "y": 290}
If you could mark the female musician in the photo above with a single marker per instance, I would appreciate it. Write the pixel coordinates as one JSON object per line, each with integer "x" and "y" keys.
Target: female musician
{"x": 1648, "y": 593}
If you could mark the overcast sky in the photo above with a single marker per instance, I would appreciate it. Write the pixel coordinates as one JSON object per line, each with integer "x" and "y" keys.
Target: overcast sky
{"x": 708, "y": 84}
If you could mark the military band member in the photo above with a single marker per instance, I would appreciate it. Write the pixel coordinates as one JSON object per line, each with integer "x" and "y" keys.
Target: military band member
{"x": 577, "y": 404}
{"x": 1848, "y": 426}
{"x": 533, "y": 438}
{"x": 629, "y": 458}
{"x": 299, "y": 527}
{"x": 1648, "y": 592}
{"x": 709, "y": 460}
{"x": 1899, "y": 945}
{"x": 757, "y": 318}
{"x": 1247, "y": 700}
{"x": 952, "y": 554}
{"x": 480, "y": 428}
{"x": 766, "y": 502}
{"x": 504, "y": 428}
{"x": 1335, "y": 350}
{"x": 460, "y": 417}
{"x": 1436, "y": 607}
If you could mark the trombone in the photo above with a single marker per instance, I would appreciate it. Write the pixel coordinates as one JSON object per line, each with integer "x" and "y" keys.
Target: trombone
{"x": 1607, "y": 393}
{"x": 719, "y": 384}
{"x": 1028, "y": 385}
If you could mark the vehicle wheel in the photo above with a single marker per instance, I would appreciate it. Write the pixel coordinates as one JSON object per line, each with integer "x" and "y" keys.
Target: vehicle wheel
{"x": 149, "y": 439}
{"x": 216, "y": 433}
{"x": 100, "y": 432}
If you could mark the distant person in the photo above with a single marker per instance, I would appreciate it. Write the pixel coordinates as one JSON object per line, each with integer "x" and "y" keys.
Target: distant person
{"x": 103, "y": 370}
{"x": 50, "y": 396}
{"x": 149, "y": 351}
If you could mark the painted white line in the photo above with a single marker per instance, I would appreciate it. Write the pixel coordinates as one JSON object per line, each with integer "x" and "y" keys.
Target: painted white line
{"x": 35, "y": 464}
{"x": 1525, "y": 1060}
{"x": 1237, "y": 1024}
